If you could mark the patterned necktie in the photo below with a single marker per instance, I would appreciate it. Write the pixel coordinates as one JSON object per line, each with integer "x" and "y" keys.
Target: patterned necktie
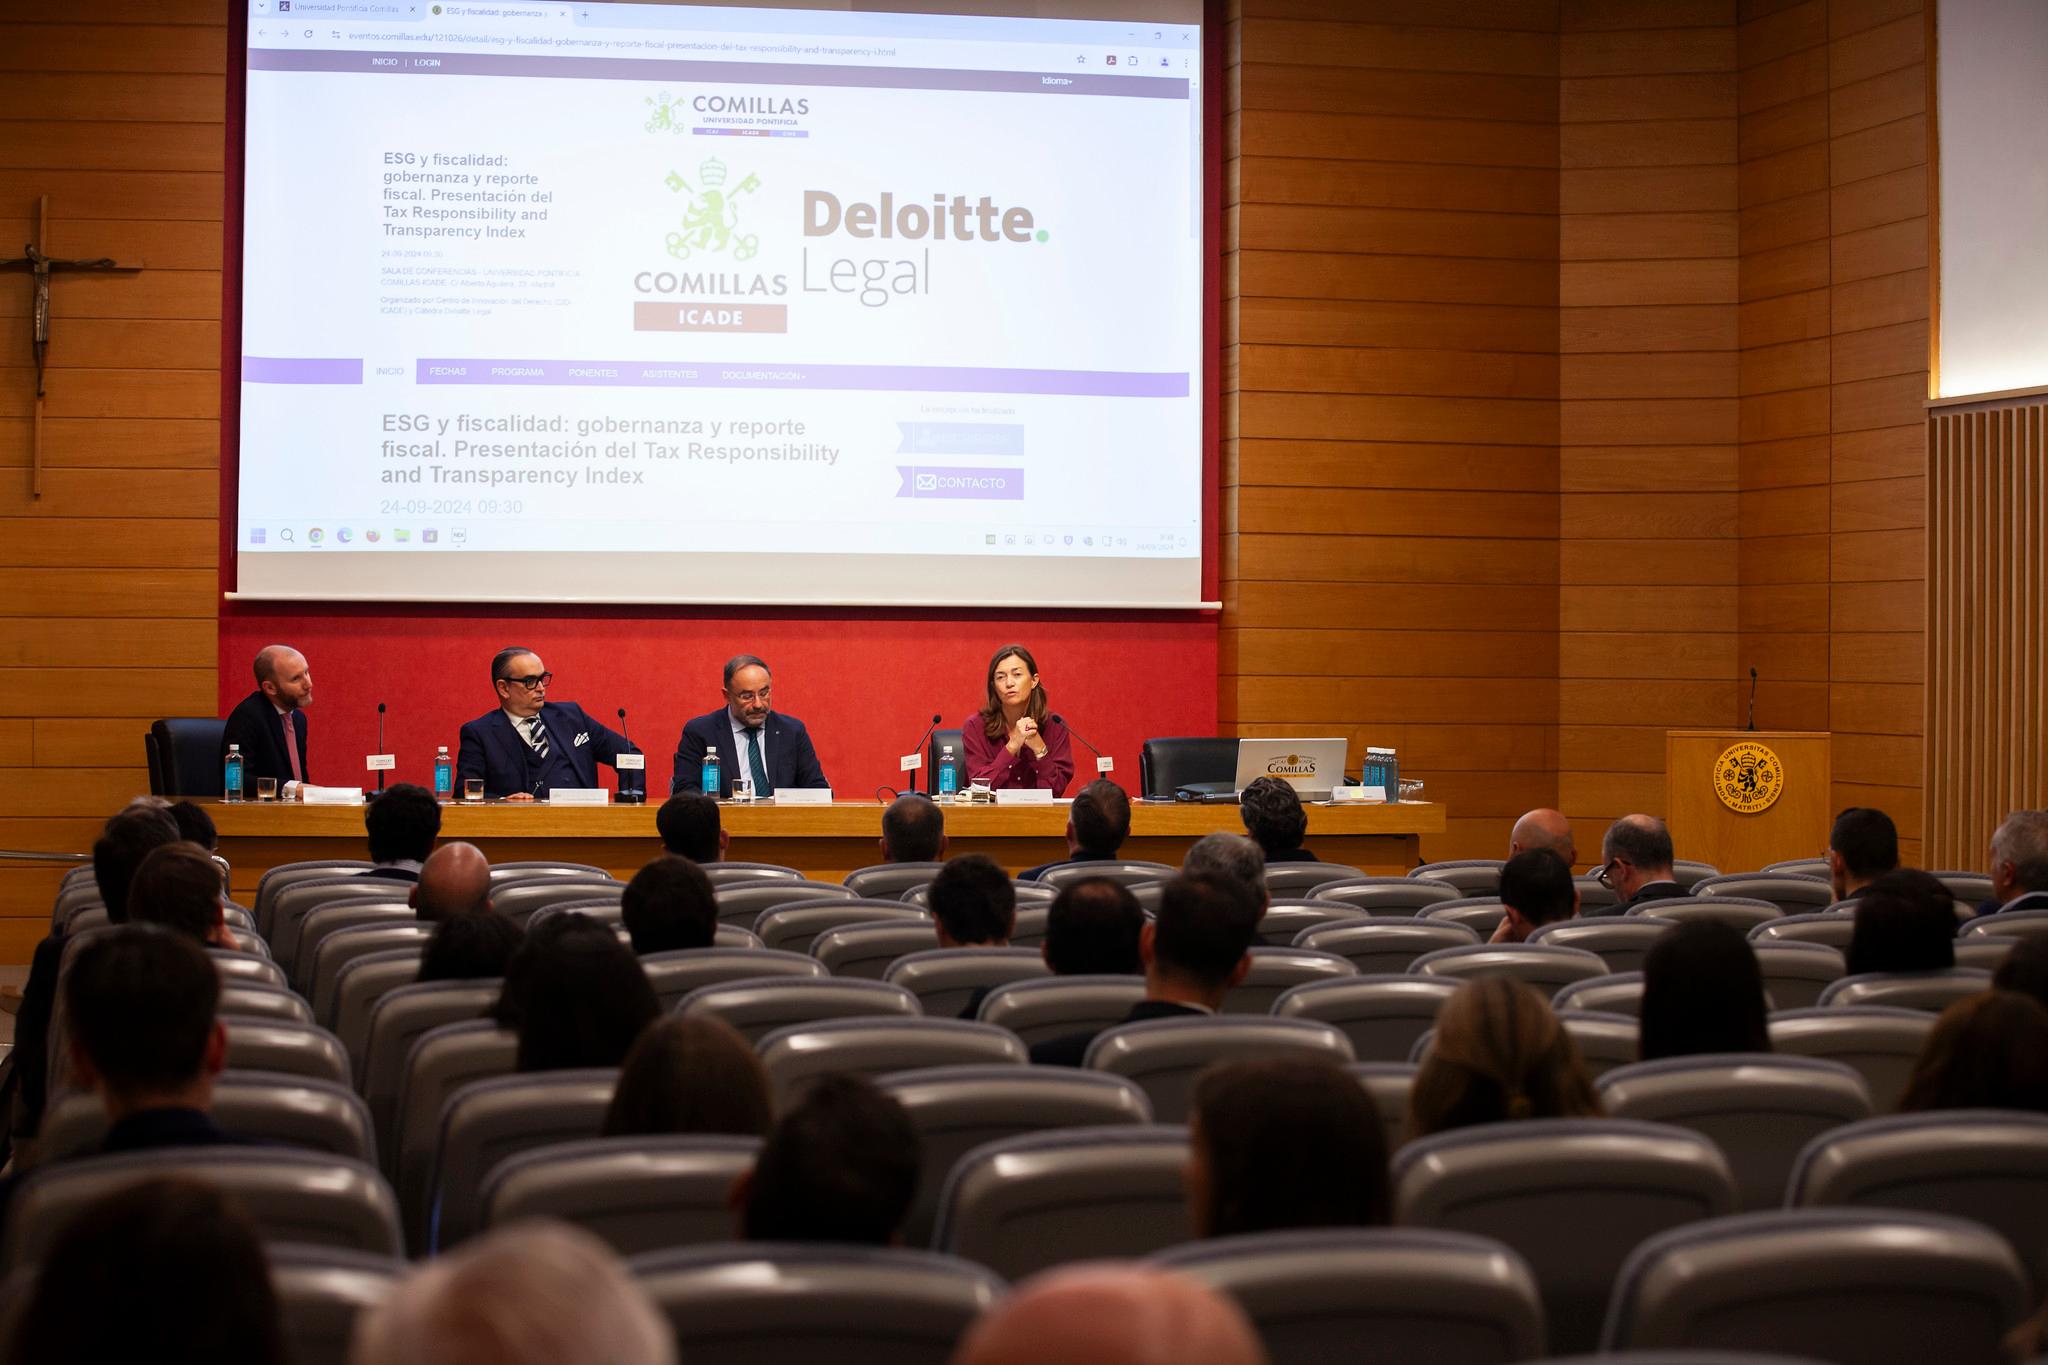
{"x": 291, "y": 748}
{"x": 537, "y": 738}
{"x": 754, "y": 764}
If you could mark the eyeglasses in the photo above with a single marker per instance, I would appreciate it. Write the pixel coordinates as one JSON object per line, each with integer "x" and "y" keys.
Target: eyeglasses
{"x": 538, "y": 680}
{"x": 1605, "y": 876}
{"x": 745, "y": 698}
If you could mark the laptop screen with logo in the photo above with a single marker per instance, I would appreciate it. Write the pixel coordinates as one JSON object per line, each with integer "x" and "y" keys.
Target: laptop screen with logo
{"x": 1311, "y": 766}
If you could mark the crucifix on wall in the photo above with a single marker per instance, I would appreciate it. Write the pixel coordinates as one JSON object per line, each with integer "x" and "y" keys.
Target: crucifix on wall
{"x": 41, "y": 268}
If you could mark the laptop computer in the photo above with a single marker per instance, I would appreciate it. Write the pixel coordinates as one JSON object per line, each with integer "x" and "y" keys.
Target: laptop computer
{"x": 1311, "y": 766}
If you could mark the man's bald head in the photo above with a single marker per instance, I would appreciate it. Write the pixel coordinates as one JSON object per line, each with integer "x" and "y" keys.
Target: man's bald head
{"x": 455, "y": 880}
{"x": 1113, "y": 1314}
{"x": 283, "y": 675}
{"x": 1544, "y": 828}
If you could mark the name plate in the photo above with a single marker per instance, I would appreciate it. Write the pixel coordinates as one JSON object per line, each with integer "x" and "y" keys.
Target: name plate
{"x": 1105, "y": 764}
{"x": 579, "y": 796}
{"x": 802, "y": 796}
{"x": 630, "y": 763}
{"x": 1023, "y": 796}
{"x": 910, "y": 763}
{"x": 1358, "y": 796}
{"x": 380, "y": 763}
{"x": 331, "y": 796}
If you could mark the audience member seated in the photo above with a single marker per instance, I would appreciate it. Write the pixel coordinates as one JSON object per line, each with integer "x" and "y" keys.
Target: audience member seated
{"x": 1097, "y": 825}
{"x": 178, "y": 887}
{"x": 2019, "y": 863}
{"x": 973, "y": 905}
{"x": 125, "y": 840}
{"x": 195, "y": 826}
{"x": 913, "y": 830}
{"x": 1273, "y": 817}
{"x": 841, "y": 1166}
{"x": 1283, "y": 1144}
{"x": 165, "y": 1271}
{"x": 1110, "y": 1313}
{"x": 454, "y": 880}
{"x": 1498, "y": 1054}
{"x": 669, "y": 904}
{"x": 2025, "y": 968}
{"x": 472, "y": 947}
{"x": 1863, "y": 846}
{"x": 1544, "y": 828}
{"x": 690, "y": 1076}
{"x": 1905, "y": 922}
{"x": 1702, "y": 992}
{"x": 1635, "y": 862}
{"x": 534, "y": 1293}
{"x": 688, "y": 825}
{"x": 576, "y": 996}
{"x": 1092, "y": 927}
{"x": 1232, "y": 857}
{"x": 1537, "y": 889}
{"x": 1989, "y": 1051}
{"x": 402, "y": 824}
{"x": 1194, "y": 951}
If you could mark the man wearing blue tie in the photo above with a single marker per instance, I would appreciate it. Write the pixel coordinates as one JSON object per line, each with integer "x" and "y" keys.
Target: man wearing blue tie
{"x": 530, "y": 745}
{"x": 750, "y": 737}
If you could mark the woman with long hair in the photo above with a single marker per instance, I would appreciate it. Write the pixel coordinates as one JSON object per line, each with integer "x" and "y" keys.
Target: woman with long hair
{"x": 1014, "y": 740}
{"x": 1498, "y": 1054}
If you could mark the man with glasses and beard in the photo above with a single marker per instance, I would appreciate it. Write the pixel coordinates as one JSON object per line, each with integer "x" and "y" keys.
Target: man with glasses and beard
{"x": 530, "y": 745}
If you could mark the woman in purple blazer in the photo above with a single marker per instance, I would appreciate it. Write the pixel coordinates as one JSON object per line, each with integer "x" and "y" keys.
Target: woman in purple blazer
{"x": 1013, "y": 741}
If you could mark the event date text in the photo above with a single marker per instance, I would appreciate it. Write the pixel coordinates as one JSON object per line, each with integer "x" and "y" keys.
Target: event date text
{"x": 451, "y": 507}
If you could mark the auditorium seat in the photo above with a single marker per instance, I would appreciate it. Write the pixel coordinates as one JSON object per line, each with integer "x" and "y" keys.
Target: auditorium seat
{"x": 248, "y": 969}
{"x": 956, "y": 1109}
{"x": 674, "y": 974}
{"x": 757, "y": 1006}
{"x": 731, "y": 873}
{"x": 329, "y": 919}
{"x": 1123, "y": 871}
{"x": 273, "y": 1003}
{"x": 1691, "y": 874}
{"x": 291, "y": 1196}
{"x": 795, "y": 1056}
{"x": 636, "y": 1194}
{"x": 888, "y": 881}
{"x": 338, "y": 949}
{"x": 506, "y": 874}
{"x": 1029, "y": 929}
{"x": 357, "y": 989}
{"x": 1076, "y": 1194}
{"x": 1390, "y": 896}
{"x": 1595, "y": 899}
{"x": 1548, "y": 969}
{"x": 1984, "y": 952}
{"x": 1881, "y": 1043}
{"x": 1971, "y": 889}
{"x": 1165, "y": 1055}
{"x": 1481, "y": 914}
{"x": 1301, "y": 879}
{"x": 443, "y": 1061}
{"x": 1615, "y": 993}
{"x": 1934, "y": 991}
{"x": 1386, "y": 1085}
{"x": 1759, "y": 1108}
{"x": 519, "y": 901}
{"x": 1378, "y": 945}
{"x": 1605, "y": 1041}
{"x": 742, "y": 903}
{"x": 1572, "y": 1196}
{"x": 1276, "y": 970}
{"x": 792, "y": 928}
{"x": 1478, "y": 877}
{"x": 1381, "y": 1014}
{"x": 1738, "y": 913}
{"x": 293, "y": 903}
{"x": 770, "y": 1303}
{"x": 1790, "y": 892}
{"x": 944, "y": 980}
{"x": 247, "y": 941}
{"x": 1375, "y": 1296}
{"x": 290, "y": 1049}
{"x": 72, "y": 899}
{"x": 188, "y": 750}
{"x": 2007, "y": 924}
{"x": 609, "y": 911}
{"x": 1286, "y": 920}
{"x": 1990, "y": 1165}
{"x": 321, "y": 1291}
{"x": 1862, "y": 1285}
{"x": 1027, "y": 893}
{"x": 1795, "y": 973}
{"x": 397, "y": 1020}
{"x": 268, "y": 1107}
{"x": 89, "y": 916}
{"x": 486, "y": 1121}
{"x": 1055, "y": 1006}
{"x": 274, "y": 881}
{"x": 1205, "y": 763}
{"x": 1833, "y": 930}
{"x": 1801, "y": 867}
{"x": 866, "y": 947}
{"x": 1622, "y": 941}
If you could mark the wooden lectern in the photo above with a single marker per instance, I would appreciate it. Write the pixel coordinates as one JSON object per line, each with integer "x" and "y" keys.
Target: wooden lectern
{"x": 1741, "y": 799}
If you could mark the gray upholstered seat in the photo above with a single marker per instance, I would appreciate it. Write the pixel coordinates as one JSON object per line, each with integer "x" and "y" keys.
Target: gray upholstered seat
{"x": 273, "y": 883}
{"x": 321, "y": 1291}
{"x": 741, "y": 903}
{"x": 1127, "y": 871}
{"x": 1481, "y": 914}
{"x": 1882, "y": 1043}
{"x": 1386, "y": 943}
{"x": 1831, "y": 928}
{"x": 945, "y": 980}
{"x": 676, "y": 973}
{"x": 1934, "y": 991}
{"x": 1467, "y": 876}
{"x": 1165, "y": 1055}
{"x": 1396, "y": 896}
{"x": 1615, "y": 993}
{"x": 1605, "y": 1041}
{"x": 795, "y": 1056}
{"x": 271, "y": 1003}
{"x": 1796, "y": 972}
{"x": 792, "y": 928}
{"x": 338, "y": 949}
{"x": 2008, "y": 923}
{"x": 287, "y": 1049}
{"x": 1382, "y": 1014}
{"x": 1546, "y": 968}
{"x": 888, "y": 881}
{"x": 543, "y": 869}
{"x": 443, "y": 1061}
{"x": 1375, "y": 1294}
{"x": 398, "y": 1019}
{"x": 1052, "y": 1007}
{"x": 1789, "y": 891}
{"x": 273, "y": 1107}
{"x": 1572, "y": 1196}
{"x": 486, "y": 1121}
{"x": 1803, "y": 867}
{"x": 637, "y": 1194}
{"x": 867, "y": 947}
{"x": 1971, "y": 889}
{"x": 519, "y": 902}
{"x": 1622, "y": 941}
{"x": 249, "y": 969}
{"x": 1387, "y": 1085}
{"x": 1984, "y": 952}
{"x": 758, "y": 1005}
{"x": 733, "y": 874}
{"x": 1301, "y": 879}
{"x": 1274, "y": 971}
{"x": 1286, "y": 920}
{"x": 292, "y": 903}
{"x": 1690, "y": 874}
{"x": 1741, "y": 914}
{"x": 357, "y": 989}
{"x": 324, "y": 920}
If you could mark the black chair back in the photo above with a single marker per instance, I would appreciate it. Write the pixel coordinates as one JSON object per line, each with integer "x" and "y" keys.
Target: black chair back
{"x": 188, "y": 755}
{"x": 156, "y": 767}
{"x": 1206, "y": 762}
{"x": 940, "y": 739}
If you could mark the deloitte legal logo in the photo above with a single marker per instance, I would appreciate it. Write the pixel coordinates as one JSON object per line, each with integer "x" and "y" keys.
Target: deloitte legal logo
{"x": 711, "y": 219}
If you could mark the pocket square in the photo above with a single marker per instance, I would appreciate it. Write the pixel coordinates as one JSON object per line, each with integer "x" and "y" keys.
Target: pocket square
{"x": 581, "y": 740}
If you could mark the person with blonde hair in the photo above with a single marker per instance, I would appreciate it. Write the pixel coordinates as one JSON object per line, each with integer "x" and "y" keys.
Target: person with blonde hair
{"x": 1110, "y": 1313}
{"x": 1498, "y": 1054}
{"x": 536, "y": 1293}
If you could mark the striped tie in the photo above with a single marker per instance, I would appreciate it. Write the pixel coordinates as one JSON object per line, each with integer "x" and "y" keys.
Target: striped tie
{"x": 537, "y": 736}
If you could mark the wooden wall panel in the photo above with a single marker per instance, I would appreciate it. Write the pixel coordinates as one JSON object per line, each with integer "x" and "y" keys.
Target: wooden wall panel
{"x": 108, "y": 580}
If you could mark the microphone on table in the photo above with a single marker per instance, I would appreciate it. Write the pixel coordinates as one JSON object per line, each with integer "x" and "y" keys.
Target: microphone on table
{"x": 638, "y": 792}
{"x": 918, "y": 748}
{"x": 1752, "y": 697}
{"x": 1061, "y": 721}
{"x": 380, "y": 743}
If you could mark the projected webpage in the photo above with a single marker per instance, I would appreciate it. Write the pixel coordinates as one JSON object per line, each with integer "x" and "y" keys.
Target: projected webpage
{"x": 657, "y": 303}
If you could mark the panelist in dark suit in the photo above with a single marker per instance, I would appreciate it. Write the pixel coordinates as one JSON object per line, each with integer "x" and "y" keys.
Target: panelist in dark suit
{"x": 530, "y": 745}
{"x": 1636, "y": 858}
{"x": 1013, "y": 741}
{"x": 261, "y": 720}
{"x": 750, "y": 736}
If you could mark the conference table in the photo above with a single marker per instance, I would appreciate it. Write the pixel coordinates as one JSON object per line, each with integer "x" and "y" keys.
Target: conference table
{"x": 823, "y": 841}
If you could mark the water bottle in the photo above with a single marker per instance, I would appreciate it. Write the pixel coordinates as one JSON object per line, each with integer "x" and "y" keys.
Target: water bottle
{"x": 232, "y": 781}
{"x": 444, "y": 776}
{"x": 708, "y": 778}
{"x": 949, "y": 774}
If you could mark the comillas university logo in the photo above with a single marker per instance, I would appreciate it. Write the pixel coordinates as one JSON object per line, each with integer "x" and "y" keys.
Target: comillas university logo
{"x": 1293, "y": 765}
{"x": 711, "y": 218}
{"x": 1748, "y": 777}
